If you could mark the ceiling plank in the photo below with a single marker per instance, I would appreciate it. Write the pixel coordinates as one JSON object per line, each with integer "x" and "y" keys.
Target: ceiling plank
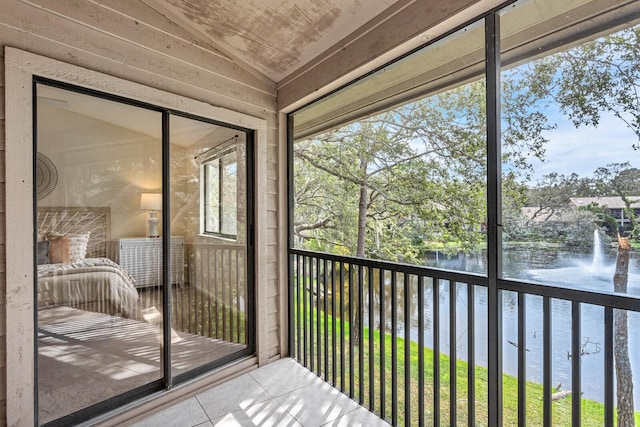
{"x": 162, "y": 7}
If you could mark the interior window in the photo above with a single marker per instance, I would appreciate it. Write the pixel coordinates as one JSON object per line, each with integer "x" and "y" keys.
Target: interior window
{"x": 220, "y": 201}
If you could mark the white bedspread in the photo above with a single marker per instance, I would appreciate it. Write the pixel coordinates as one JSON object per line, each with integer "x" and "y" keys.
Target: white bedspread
{"x": 93, "y": 280}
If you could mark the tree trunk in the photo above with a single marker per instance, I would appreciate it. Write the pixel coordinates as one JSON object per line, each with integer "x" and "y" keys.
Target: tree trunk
{"x": 624, "y": 379}
{"x": 362, "y": 229}
{"x": 362, "y": 221}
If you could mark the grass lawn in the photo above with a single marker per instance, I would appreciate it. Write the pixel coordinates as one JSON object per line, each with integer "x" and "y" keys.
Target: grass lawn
{"x": 592, "y": 412}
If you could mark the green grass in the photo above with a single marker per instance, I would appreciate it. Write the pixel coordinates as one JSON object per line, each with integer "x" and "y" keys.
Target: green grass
{"x": 592, "y": 412}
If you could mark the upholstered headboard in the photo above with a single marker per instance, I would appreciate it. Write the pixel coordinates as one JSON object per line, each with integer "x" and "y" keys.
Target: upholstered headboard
{"x": 78, "y": 220}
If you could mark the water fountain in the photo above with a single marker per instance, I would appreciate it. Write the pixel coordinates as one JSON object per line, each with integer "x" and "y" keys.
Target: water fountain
{"x": 598, "y": 251}
{"x": 592, "y": 269}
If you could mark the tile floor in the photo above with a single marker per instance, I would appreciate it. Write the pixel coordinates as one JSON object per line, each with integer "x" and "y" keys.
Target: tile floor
{"x": 283, "y": 393}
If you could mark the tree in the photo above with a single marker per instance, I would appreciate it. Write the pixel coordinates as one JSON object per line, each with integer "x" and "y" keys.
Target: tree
{"x": 595, "y": 77}
{"x": 415, "y": 173}
{"x": 624, "y": 377}
{"x": 622, "y": 180}
{"x": 552, "y": 193}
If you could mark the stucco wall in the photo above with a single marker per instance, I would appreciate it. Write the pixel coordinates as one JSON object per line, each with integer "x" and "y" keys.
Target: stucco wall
{"x": 141, "y": 46}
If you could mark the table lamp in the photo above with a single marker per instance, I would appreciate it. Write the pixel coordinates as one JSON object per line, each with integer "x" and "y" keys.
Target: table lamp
{"x": 152, "y": 202}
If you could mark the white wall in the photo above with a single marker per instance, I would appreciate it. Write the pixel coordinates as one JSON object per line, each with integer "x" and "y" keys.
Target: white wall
{"x": 100, "y": 164}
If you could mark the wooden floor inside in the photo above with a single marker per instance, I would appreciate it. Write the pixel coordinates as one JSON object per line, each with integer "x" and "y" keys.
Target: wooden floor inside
{"x": 86, "y": 357}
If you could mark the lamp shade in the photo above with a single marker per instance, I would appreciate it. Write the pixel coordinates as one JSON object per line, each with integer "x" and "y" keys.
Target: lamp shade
{"x": 151, "y": 201}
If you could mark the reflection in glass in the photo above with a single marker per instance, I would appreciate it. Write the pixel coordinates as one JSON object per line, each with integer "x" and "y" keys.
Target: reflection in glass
{"x": 209, "y": 213}
{"x": 99, "y": 308}
{"x": 221, "y": 195}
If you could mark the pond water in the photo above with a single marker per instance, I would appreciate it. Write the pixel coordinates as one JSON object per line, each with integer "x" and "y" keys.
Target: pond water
{"x": 592, "y": 270}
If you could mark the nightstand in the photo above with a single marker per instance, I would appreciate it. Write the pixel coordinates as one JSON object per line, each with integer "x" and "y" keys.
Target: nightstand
{"x": 142, "y": 258}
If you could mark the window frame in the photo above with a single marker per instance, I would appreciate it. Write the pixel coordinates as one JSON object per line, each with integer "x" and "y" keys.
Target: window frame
{"x": 218, "y": 156}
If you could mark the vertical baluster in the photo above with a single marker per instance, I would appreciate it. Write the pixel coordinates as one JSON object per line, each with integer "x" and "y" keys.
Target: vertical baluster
{"x": 179, "y": 302}
{"x": 192, "y": 317}
{"x": 229, "y": 296}
{"x": 308, "y": 330}
{"x": 312, "y": 343}
{"x": 608, "y": 367}
{"x": 522, "y": 359}
{"x": 421, "y": 403}
{"x": 361, "y": 332}
{"x": 471, "y": 354}
{"x": 210, "y": 311}
{"x": 202, "y": 325}
{"x": 333, "y": 323}
{"x": 407, "y": 353}
{"x": 383, "y": 330}
{"x": 436, "y": 351}
{"x": 216, "y": 286}
{"x": 230, "y": 304}
{"x": 576, "y": 336}
{"x": 352, "y": 321}
{"x": 547, "y": 372}
{"x": 298, "y": 274}
{"x": 371, "y": 341}
{"x": 223, "y": 293}
{"x": 245, "y": 297}
{"x": 240, "y": 291}
{"x": 453, "y": 377}
{"x": 236, "y": 298}
{"x": 317, "y": 319}
{"x": 342, "y": 331}
{"x": 394, "y": 349}
{"x": 325, "y": 295}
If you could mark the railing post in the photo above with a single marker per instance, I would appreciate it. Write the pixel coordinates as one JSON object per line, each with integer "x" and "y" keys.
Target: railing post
{"x": 494, "y": 220}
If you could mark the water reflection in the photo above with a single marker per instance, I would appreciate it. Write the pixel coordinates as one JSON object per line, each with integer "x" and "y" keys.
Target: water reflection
{"x": 554, "y": 266}
{"x": 547, "y": 265}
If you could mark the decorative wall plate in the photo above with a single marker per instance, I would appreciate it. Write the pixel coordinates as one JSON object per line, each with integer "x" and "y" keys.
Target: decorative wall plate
{"x": 46, "y": 176}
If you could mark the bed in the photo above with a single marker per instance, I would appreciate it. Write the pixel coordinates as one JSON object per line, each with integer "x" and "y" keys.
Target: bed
{"x": 73, "y": 268}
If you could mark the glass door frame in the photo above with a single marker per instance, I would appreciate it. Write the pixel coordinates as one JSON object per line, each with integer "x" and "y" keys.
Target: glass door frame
{"x": 168, "y": 380}
{"x": 21, "y": 68}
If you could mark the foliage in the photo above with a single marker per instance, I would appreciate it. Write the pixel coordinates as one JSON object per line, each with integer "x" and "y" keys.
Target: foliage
{"x": 592, "y": 78}
{"x": 573, "y": 228}
{"x": 603, "y": 217}
{"x": 384, "y": 186}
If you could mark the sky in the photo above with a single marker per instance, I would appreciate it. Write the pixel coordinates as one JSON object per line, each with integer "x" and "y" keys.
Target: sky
{"x": 584, "y": 149}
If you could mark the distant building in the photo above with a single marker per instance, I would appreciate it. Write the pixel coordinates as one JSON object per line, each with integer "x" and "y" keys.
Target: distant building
{"x": 541, "y": 214}
{"x": 615, "y": 205}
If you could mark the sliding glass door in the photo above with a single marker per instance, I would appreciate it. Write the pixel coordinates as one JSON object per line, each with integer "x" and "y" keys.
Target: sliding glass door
{"x": 210, "y": 212}
{"x": 143, "y": 221}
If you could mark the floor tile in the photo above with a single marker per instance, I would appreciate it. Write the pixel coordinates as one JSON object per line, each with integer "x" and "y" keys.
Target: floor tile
{"x": 316, "y": 404}
{"x": 263, "y": 414}
{"x": 284, "y": 376}
{"x": 361, "y": 417}
{"x": 184, "y": 414}
{"x": 234, "y": 395}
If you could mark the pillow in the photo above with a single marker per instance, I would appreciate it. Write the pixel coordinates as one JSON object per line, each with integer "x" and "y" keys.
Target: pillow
{"x": 43, "y": 252}
{"x": 58, "y": 249}
{"x": 78, "y": 246}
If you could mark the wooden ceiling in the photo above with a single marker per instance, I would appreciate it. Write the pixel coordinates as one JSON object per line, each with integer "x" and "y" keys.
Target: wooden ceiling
{"x": 275, "y": 37}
